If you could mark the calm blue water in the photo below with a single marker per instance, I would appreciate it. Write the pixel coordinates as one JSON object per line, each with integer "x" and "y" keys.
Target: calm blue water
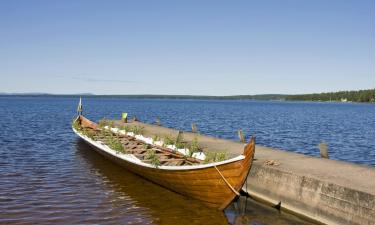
{"x": 48, "y": 176}
{"x": 348, "y": 129}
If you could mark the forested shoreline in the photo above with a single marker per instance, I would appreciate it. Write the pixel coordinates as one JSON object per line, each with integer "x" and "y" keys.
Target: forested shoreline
{"x": 343, "y": 96}
{"x": 350, "y": 96}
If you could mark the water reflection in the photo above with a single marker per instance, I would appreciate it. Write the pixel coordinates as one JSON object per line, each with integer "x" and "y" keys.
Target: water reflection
{"x": 247, "y": 211}
{"x": 146, "y": 202}
{"x": 142, "y": 200}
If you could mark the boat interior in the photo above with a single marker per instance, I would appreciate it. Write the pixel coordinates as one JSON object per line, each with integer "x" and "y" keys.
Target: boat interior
{"x": 147, "y": 153}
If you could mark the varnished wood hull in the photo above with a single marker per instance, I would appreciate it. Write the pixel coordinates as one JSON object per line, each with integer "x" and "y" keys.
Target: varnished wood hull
{"x": 204, "y": 184}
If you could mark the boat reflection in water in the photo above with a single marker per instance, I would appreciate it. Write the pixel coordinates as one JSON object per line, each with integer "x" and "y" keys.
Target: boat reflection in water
{"x": 135, "y": 199}
{"x": 130, "y": 198}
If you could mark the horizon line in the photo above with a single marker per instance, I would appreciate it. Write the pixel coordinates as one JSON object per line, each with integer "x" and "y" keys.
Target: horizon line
{"x": 192, "y": 95}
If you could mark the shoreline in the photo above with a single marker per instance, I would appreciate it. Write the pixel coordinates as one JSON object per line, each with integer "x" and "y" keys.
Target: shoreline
{"x": 184, "y": 97}
{"x": 181, "y": 97}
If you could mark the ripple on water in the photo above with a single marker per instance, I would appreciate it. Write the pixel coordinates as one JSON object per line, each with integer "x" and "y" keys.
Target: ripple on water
{"x": 48, "y": 177}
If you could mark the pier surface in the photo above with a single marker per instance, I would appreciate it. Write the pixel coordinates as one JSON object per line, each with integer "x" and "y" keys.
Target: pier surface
{"x": 323, "y": 190}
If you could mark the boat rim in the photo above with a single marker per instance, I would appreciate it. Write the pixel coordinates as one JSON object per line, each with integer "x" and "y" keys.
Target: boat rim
{"x": 132, "y": 159}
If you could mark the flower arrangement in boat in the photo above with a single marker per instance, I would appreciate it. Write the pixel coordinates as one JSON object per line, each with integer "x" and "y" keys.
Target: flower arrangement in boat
{"x": 109, "y": 134}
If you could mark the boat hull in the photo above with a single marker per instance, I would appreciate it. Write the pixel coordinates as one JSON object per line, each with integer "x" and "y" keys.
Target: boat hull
{"x": 215, "y": 186}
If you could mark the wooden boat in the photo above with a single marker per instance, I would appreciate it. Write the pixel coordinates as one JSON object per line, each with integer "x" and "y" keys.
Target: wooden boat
{"x": 215, "y": 184}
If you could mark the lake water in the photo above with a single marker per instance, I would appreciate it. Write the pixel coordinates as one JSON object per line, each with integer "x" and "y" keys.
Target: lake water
{"x": 48, "y": 176}
{"x": 348, "y": 129}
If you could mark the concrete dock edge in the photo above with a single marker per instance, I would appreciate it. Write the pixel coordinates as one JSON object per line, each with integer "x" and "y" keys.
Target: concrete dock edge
{"x": 306, "y": 195}
{"x": 322, "y": 190}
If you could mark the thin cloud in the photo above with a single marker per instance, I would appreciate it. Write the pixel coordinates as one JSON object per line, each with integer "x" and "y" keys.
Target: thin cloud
{"x": 89, "y": 79}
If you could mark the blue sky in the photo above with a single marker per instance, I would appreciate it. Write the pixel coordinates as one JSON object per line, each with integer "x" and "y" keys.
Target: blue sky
{"x": 186, "y": 47}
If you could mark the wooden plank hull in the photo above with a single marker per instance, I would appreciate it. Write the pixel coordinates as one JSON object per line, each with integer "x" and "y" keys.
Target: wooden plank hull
{"x": 204, "y": 184}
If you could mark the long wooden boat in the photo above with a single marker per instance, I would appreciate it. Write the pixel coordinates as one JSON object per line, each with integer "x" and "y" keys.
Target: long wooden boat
{"x": 215, "y": 184}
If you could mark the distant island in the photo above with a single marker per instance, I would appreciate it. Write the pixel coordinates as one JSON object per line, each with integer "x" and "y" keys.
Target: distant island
{"x": 341, "y": 96}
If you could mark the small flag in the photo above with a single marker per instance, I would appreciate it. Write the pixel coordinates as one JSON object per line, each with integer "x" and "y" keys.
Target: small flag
{"x": 80, "y": 108}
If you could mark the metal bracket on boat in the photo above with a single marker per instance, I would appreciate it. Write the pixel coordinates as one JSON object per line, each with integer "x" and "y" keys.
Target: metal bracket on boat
{"x": 225, "y": 180}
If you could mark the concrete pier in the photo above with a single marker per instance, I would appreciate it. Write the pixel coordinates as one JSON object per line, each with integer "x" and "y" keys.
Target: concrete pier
{"x": 327, "y": 191}
{"x": 323, "y": 190}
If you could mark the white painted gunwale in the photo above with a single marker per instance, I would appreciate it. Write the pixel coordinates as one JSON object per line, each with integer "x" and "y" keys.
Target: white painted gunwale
{"x": 132, "y": 159}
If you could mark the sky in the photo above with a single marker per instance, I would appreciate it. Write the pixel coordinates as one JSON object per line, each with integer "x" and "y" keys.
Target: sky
{"x": 186, "y": 47}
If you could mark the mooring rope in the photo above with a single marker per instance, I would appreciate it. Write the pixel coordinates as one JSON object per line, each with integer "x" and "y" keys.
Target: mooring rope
{"x": 225, "y": 180}
{"x": 246, "y": 193}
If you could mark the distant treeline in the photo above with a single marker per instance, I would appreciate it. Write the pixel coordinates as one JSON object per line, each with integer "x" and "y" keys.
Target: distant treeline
{"x": 192, "y": 97}
{"x": 206, "y": 97}
{"x": 351, "y": 96}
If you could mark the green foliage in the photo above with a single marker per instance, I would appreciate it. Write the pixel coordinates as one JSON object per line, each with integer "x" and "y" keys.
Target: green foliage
{"x": 352, "y": 96}
{"x": 114, "y": 143}
{"x": 109, "y": 139}
{"x": 134, "y": 129}
{"x": 146, "y": 146}
{"x": 105, "y": 133}
{"x": 180, "y": 145}
{"x": 168, "y": 140}
{"x": 151, "y": 155}
{"x": 156, "y": 138}
{"x": 137, "y": 130}
{"x": 103, "y": 122}
{"x": 216, "y": 157}
{"x": 221, "y": 156}
{"x": 89, "y": 133}
{"x": 194, "y": 146}
{"x": 126, "y": 128}
{"x": 76, "y": 125}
